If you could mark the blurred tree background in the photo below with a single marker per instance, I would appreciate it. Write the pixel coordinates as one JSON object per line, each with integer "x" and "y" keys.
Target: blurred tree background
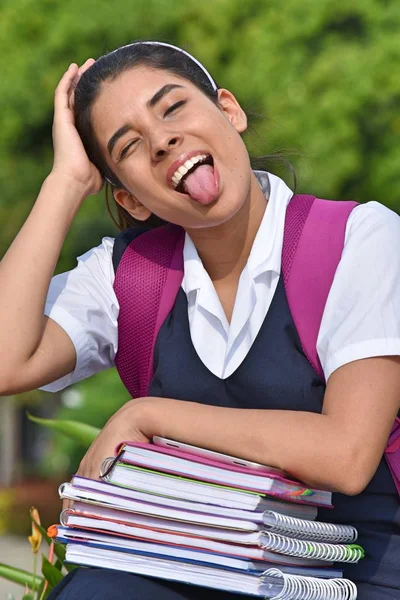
{"x": 323, "y": 75}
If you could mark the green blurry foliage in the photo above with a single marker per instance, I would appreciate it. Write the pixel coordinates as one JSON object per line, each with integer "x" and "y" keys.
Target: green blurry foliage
{"x": 99, "y": 398}
{"x": 322, "y": 73}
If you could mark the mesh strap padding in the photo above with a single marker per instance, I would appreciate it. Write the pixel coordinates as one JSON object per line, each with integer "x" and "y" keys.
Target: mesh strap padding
{"x": 312, "y": 247}
{"x": 392, "y": 453}
{"x": 146, "y": 284}
{"x": 296, "y": 215}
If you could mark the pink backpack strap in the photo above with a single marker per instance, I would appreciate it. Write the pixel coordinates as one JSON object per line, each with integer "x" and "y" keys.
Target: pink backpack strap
{"x": 392, "y": 453}
{"x": 312, "y": 247}
{"x": 147, "y": 281}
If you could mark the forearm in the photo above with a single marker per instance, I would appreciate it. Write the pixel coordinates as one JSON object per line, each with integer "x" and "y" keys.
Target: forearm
{"x": 27, "y": 268}
{"x": 312, "y": 447}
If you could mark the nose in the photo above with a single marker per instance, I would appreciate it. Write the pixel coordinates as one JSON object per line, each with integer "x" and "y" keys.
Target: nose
{"x": 163, "y": 143}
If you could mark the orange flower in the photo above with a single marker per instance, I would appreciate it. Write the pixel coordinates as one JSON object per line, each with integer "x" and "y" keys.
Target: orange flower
{"x": 36, "y": 538}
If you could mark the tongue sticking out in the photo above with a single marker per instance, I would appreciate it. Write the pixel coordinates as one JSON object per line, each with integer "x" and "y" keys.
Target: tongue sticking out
{"x": 201, "y": 185}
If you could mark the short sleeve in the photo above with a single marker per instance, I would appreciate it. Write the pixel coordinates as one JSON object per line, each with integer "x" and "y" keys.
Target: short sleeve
{"x": 362, "y": 314}
{"x": 83, "y": 303}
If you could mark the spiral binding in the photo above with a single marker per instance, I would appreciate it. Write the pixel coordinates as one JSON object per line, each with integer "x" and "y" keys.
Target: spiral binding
{"x": 64, "y": 516}
{"x": 298, "y": 587}
{"x": 106, "y": 467}
{"x": 348, "y": 553}
{"x": 309, "y": 530}
{"x": 61, "y": 489}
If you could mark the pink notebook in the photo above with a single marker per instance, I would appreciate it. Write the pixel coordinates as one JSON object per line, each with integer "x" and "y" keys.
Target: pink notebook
{"x": 204, "y": 461}
{"x": 280, "y": 487}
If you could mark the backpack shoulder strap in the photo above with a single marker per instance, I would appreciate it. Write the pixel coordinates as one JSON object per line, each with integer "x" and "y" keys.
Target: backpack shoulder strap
{"x": 147, "y": 280}
{"x": 122, "y": 241}
{"x": 312, "y": 247}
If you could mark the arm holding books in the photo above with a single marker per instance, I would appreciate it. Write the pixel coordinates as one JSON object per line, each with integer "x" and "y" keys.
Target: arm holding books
{"x": 338, "y": 450}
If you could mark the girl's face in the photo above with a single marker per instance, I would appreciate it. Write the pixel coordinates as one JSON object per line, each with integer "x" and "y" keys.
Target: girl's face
{"x": 148, "y": 122}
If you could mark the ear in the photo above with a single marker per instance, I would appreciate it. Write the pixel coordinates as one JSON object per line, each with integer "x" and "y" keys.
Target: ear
{"x": 232, "y": 110}
{"x": 131, "y": 204}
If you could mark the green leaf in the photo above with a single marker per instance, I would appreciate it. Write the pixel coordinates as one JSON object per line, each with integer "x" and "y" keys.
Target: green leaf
{"x": 19, "y": 576}
{"x": 50, "y": 572}
{"x": 70, "y": 567}
{"x": 58, "y": 565}
{"x": 59, "y": 551}
{"x": 80, "y": 432}
{"x": 28, "y": 596}
{"x": 39, "y": 593}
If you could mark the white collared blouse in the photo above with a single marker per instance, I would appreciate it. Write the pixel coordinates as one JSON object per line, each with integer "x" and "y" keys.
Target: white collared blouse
{"x": 361, "y": 317}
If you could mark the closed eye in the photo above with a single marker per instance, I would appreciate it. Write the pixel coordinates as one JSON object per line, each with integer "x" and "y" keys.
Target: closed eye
{"x": 174, "y": 107}
{"x": 125, "y": 150}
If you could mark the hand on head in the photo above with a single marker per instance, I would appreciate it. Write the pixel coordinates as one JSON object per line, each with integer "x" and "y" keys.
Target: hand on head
{"x": 79, "y": 72}
{"x": 71, "y": 163}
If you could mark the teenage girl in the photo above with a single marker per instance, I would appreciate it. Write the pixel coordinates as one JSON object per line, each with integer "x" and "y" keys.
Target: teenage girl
{"x": 230, "y": 373}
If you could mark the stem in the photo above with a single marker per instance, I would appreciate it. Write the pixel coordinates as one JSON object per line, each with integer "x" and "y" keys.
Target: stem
{"x": 50, "y": 557}
{"x": 34, "y": 573}
{"x": 44, "y": 590}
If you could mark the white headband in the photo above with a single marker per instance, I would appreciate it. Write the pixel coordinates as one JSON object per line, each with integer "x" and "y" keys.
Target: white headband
{"x": 198, "y": 63}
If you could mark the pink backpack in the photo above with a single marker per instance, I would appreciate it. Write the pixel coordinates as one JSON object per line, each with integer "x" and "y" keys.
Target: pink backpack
{"x": 150, "y": 273}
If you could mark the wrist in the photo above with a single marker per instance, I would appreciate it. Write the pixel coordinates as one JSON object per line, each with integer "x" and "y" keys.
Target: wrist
{"x": 67, "y": 187}
{"x": 144, "y": 416}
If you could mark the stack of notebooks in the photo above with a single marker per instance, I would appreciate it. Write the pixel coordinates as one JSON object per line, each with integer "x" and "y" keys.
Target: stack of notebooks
{"x": 161, "y": 512}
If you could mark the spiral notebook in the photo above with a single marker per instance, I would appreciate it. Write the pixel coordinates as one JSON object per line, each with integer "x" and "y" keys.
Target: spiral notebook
{"x": 259, "y": 545}
{"x": 93, "y": 518}
{"x": 83, "y": 485}
{"x": 271, "y": 521}
{"x": 66, "y": 535}
{"x": 268, "y": 584}
{"x": 68, "y": 491}
{"x": 180, "y": 463}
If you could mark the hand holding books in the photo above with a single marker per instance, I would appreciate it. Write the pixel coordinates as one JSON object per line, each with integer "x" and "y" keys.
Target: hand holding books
{"x": 181, "y": 517}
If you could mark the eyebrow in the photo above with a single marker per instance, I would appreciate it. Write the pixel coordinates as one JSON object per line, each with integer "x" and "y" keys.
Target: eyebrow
{"x": 114, "y": 138}
{"x": 150, "y": 104}
{"x": 161, "y": 93}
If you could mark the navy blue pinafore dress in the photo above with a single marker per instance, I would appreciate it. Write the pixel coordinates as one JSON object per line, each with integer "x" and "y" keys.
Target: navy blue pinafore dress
{"x": 274, "y": 375}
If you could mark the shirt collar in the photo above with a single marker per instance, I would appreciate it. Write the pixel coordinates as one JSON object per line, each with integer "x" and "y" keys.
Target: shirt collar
{"x": 193, "y": 267}
{"x": 266, "y": 251}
